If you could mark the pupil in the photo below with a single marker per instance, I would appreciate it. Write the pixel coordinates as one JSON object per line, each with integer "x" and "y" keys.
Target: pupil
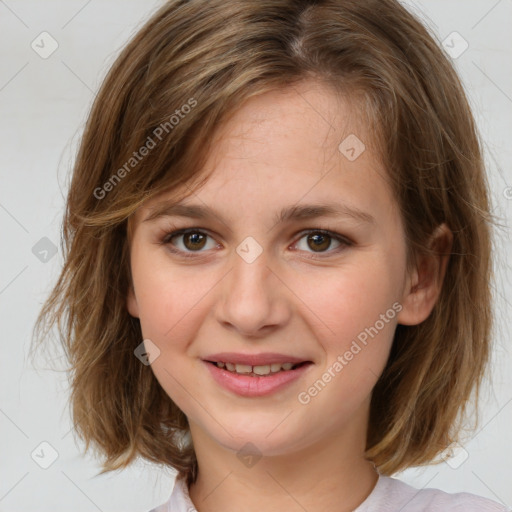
{"x": 195, "y": 238}
{"x": 320, "y": 240}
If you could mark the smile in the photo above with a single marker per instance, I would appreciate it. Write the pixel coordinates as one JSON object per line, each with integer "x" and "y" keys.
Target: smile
{"x": 261, "y": 380}
{"x": 260, "y": 370}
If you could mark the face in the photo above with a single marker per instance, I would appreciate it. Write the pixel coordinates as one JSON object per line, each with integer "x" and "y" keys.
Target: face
{"x": 248, "y": 285}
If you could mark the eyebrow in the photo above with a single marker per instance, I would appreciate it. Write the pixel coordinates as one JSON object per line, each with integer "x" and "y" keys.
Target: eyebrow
{"x": 287, "y": 214}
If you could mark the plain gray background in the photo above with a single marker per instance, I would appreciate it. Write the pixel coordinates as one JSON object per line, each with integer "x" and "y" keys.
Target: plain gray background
{"x": 44, "y": 104}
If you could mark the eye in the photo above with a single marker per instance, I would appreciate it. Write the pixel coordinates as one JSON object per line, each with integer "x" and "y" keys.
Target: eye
{"x": 193, "y": 240}
{"x": 319, "y": 240}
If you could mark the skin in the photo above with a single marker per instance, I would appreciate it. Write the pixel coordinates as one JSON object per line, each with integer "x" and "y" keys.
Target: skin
{"x": 280, "y": 149}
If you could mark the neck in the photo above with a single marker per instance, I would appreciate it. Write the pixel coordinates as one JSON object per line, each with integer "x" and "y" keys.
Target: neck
{"x": 328, "y": 475}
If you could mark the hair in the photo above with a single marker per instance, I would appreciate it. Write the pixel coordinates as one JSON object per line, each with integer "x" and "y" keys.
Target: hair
{"x": 190, "y": 67}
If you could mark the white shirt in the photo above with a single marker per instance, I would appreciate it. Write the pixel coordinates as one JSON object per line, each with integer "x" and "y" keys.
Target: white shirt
{"x": 388, "y": 495}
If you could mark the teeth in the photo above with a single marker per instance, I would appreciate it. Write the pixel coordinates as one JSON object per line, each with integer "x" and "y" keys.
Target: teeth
{"x": 261, "y": 370}
{"x": 243, "y": 368}
{"x": 258, "y": 370}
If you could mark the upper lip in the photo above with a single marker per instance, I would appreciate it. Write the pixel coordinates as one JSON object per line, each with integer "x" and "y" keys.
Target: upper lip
{"x": 253, "y": 359}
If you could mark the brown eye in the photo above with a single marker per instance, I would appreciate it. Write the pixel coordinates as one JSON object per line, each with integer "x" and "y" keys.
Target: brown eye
{"x": 188, "y": 242}
{"x": 194, "y": 240}
{"x": 319, "y": 241}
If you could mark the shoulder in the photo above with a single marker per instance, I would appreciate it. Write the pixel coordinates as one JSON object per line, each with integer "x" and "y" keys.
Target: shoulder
{"x": 392, "y": 493}
{"x": 389, "y": 495}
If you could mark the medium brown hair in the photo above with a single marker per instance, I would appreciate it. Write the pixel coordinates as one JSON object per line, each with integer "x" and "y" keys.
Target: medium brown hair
{"x": 212, "y": 56}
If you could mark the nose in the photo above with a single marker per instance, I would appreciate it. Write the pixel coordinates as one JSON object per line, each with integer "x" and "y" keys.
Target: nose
{"x": 254, "y": 300}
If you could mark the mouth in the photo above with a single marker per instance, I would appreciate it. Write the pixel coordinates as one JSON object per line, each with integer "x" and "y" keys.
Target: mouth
{"x": 256, "y": 375}
{"x": 258, "y": 370}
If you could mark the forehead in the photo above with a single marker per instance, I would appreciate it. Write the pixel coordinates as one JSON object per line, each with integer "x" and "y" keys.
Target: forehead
{"x": 304, "y": 121}
{"x": 286, "y": 144}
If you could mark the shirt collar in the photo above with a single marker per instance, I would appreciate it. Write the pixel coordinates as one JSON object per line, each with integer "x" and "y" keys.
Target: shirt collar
{"x": 180, "y": 498}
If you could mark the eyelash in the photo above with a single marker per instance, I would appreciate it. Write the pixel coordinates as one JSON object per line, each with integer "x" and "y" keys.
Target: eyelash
{"x": 168, "y": 236}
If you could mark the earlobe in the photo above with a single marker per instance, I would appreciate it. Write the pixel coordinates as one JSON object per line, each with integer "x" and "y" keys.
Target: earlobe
{"x": 424, "y": 285}
{"x": 131, "y": 303}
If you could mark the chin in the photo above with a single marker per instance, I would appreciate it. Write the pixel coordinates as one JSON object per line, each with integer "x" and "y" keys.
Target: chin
{"x": 267, "y": 438}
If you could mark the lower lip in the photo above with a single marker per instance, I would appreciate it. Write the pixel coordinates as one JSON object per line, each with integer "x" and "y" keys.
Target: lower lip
{"x": 245, "y": 385}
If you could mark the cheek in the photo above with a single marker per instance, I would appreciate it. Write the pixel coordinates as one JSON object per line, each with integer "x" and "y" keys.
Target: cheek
{"x": 164, "y": 305}
{"x": 356, "y": 332}
{"x": 164, "y": 295}
{"x": 354, "y": 321}
{"x": 169, "y": 310}
{"x": 343, "y": 302}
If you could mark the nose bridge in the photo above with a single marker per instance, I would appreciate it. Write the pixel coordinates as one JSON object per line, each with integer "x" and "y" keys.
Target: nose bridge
{"x": 252, "y": 297}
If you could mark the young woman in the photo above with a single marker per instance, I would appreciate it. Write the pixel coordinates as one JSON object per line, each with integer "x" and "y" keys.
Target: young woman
{"x": 278, "y": 257}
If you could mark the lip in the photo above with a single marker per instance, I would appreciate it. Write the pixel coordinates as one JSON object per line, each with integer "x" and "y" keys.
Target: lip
{"x": 244, "y": 385}
{"x": 253, "y": 359}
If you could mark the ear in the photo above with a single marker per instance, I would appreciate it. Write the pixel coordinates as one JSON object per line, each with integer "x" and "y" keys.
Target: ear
{"x": 131, "y": 300}
{"x": 424, "y": 284}
{"x": 131, "y": 303}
